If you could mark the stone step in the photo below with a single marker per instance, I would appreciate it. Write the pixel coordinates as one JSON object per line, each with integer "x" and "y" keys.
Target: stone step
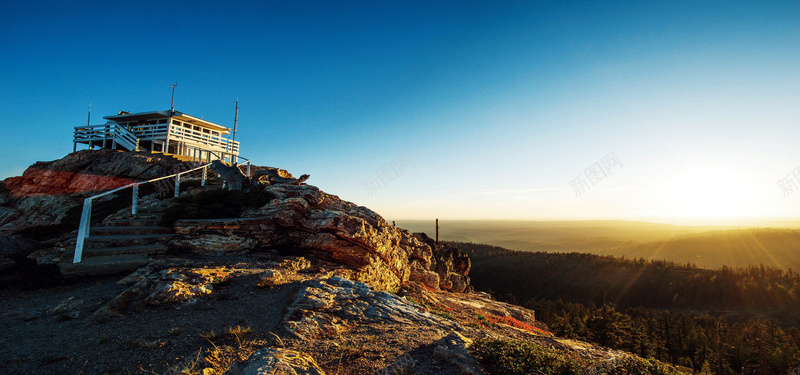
{"x": 144, "y": 216}
{"x": 116, "y": 240}
{"x": 149, "y": 249}
{"x": 150, "y": 210}
{"x": 126, "y": 230}
{"x": 136, "y": 222}
{"x": 103, "y": 265}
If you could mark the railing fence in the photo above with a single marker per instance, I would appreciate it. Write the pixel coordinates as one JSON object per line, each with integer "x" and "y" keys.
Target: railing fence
{"x": 86, "y": 214}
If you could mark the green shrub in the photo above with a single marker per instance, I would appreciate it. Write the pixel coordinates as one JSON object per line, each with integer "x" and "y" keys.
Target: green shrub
{"x": 519, "y": 357}
{"x": 633, "y": 365}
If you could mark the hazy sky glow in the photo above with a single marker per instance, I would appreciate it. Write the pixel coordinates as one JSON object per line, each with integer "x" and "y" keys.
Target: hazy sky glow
{"x": 456, "y": 110}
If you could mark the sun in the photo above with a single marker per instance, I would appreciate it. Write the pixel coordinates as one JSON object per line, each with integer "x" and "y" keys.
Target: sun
{"x": 710, "y": 193}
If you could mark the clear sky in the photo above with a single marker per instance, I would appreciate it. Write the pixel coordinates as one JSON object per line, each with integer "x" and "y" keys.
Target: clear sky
{"x": 451, "y": 109}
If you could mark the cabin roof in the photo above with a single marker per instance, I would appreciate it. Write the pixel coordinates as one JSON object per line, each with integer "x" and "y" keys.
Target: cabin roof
{"x": 155, "y": 115}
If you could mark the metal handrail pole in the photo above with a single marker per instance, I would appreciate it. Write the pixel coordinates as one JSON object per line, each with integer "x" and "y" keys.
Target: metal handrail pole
{"x": 134, "y": 198}
{"x": 177, "y": 184}
{"x": 86, "y": 216}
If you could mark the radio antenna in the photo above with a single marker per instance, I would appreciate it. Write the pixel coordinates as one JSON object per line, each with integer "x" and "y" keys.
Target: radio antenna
{"x": 172, "y": 102}
{"x": 235, "y": 120}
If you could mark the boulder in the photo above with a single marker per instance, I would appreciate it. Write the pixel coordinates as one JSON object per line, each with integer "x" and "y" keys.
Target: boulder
{"x": 13, "y": 249}
{"x": 275, "y": 361}
{"x": 453, "y": 349}
{"x": 328, "y": 307}
{"x": 449, "y": 263}
{"x": 164, "y": 282}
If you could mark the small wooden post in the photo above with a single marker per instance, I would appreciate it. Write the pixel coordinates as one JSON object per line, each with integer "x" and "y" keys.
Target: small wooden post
{"x": 437, "y": 231}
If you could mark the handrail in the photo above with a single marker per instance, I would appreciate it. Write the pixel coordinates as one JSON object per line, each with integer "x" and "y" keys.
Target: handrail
{"x": 86, "y": 214}
{"x": 111, "y": 130}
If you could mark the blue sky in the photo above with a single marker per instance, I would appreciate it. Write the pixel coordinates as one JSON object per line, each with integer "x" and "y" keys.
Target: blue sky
{"x": 450, "y": 109}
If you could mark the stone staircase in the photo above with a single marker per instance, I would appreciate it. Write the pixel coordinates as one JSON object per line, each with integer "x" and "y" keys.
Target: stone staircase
{"x": 127, "y": 242}
{"x": 121, "y": 245}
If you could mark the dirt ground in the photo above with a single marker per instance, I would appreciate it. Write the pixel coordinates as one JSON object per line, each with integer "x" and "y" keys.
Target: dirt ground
{"x": 49, "y": 329}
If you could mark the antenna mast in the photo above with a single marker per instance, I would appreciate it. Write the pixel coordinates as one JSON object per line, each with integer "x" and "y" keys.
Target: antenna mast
{"x": 172, "y": 102}
{"x": 235, "y": 120}
{"x": 89, "y": 120}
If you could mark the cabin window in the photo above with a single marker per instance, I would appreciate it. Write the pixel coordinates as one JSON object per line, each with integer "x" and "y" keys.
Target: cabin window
{"x": 187, "y": 126}
{"x": 176, "y": 122}
{"x": 162, "y": 121}
{"x": 205, "y": 131}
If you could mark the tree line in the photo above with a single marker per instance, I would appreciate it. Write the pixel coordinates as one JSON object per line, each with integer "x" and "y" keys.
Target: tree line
{"x": 723, "y": 321}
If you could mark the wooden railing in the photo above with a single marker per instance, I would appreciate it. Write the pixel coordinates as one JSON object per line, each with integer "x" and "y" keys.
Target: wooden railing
{"x": 204, "y": 140}
{"x": 127, "y": 138}
{"x": 86, "y": 214}
{"x": 107, "y": 132}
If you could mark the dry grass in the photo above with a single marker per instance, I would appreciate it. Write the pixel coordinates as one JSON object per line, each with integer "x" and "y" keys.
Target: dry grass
{"x": 239, "y": 332}
{"x": 225, "y": 350}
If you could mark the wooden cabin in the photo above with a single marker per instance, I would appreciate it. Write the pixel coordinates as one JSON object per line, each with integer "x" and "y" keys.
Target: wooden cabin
{"x": 169, "y": 132}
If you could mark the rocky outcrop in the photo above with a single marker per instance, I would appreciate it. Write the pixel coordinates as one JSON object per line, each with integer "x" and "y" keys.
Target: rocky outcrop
{"x": 305, "y": 220}
{"x": 89, "y": 171}
{"x": 449, "y": 264}
{"x": 236, "y": 179}
{"x": 275, "y": 361}
{"x": 454, "y": 350}
{"x": 329, "y": 307}
{"x": 14, "y": 249}
{"x": 164, "y": 282}
{"x": 37, "y": 211}
{"x": 47, "y": 190}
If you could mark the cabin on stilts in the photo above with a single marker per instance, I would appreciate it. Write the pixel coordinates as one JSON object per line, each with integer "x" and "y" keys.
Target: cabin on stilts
{"x": 170, "y": 132}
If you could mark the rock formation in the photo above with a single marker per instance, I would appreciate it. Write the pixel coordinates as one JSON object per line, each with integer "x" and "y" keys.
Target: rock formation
{"x": 47, "y": 190}
{"x": 304, "y": 219}
{"x": 90, "y": 171}
{"x": 236, "y": 180}
{"x": 329, "y": 286}
{"x": 275, "y": 361}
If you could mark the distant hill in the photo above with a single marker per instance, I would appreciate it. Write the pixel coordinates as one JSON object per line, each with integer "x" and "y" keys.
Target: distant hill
{"x": 705, "y": 246}
{"x": 779, "y": 248}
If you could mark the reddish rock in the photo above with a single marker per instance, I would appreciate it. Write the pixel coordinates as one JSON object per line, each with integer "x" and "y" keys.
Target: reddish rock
{"x": 90, "y": 171}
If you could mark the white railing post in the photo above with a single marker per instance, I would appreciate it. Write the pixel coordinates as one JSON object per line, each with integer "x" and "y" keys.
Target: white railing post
{"x": 135, "y": 198}
{"x": 177, "y": 184}
{"x": 83, "y": 229}
{"x": 248, "y": 168}
{"x": 204, "y": 176}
